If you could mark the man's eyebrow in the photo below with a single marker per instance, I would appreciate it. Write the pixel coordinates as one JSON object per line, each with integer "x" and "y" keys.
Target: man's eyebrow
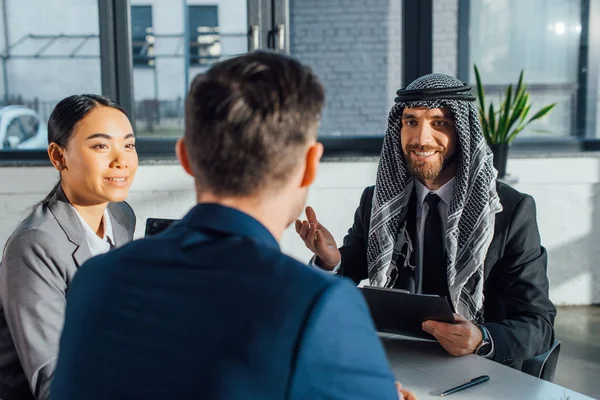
{"x": 409, "y": 116}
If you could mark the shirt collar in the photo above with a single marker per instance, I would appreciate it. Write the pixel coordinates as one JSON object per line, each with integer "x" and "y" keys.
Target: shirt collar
{"x": 445, "y": 192}
{"x": 220, "y": 218}
{"x": 89, "y": 232}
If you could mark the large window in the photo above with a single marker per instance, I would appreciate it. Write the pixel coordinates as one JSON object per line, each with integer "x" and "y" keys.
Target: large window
{"x": 541, "y": 37}
{"x": 142, "y": 36}
{"x": 48, "y": 53}
{"x": 356, "y": 47}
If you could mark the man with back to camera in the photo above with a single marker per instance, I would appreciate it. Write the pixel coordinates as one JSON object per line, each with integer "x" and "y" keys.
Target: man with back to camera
{"x": 211, "y": 308}
{"x": 438, "y": 222}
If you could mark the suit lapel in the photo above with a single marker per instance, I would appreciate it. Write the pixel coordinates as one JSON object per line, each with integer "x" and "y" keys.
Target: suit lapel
{"x": 82, "y": 254}
{"x": 120, "y": 233}
{"x": 65, "y": 215}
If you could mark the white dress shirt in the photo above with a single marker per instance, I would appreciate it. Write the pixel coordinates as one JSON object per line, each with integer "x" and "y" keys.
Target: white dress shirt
{"x": 96, "y": 244}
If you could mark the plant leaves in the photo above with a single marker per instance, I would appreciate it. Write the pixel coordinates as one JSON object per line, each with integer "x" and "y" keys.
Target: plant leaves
{"x": 514, "y": 134}
{"x": 536, "y": 130}
{"x": 485, "y": 126}
{"x": 492, "y": 124}
{"x": 503, "y": 125}
{"x": 520, "y": 86}
{"x": 542, "y": 112}
{"x": 518, "y": 107}
{"x": 480, "y": 92}
{"x": 525, "y": 112}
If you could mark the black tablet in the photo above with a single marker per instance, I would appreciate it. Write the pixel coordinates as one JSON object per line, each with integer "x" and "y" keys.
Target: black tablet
{"x": 157, "y": 225}
{"x": 399, "y": 312}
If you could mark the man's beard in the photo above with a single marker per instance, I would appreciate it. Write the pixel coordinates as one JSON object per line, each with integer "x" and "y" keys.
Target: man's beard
{"x": 427, "y": 170}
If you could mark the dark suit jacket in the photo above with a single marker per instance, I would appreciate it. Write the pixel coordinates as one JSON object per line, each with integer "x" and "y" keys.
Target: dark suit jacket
{"x": 39, "y": 262}
{"x": 517, "y": 311}
{"x": 211, "y": 309}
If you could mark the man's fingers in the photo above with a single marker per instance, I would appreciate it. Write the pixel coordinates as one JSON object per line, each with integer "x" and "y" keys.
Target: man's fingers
{"x": 399, "y": 390}
{"x": 311, "y": 236}
{"x": 454, "y": 330}
{"x": 444, "y": 329}
{"x": 304, "y": 230}
{"x": 454, "y": 338}
{"x": 455, "y": 345}
{"x": 430, "y": 326}
{"x": 449, "y": 346}
{"x": 451, "y": 343}
{"x": 408, "y": 395}
{"x": 404, "y": 394}
{"x": 310, "y": 215}
{"x": 446, "y": 343}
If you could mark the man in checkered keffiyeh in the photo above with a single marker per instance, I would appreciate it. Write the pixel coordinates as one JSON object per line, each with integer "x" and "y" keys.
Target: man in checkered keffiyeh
{"x": 474, "y": 201}
{"x": 438, "y": 222}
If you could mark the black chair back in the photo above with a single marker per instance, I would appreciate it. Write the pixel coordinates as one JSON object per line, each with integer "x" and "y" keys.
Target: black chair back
{"x": 544, "y": 365}
{"x": 157, "y": 225}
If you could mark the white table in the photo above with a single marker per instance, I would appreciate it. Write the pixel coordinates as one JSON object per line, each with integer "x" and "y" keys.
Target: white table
{"x": 427, "y": 369}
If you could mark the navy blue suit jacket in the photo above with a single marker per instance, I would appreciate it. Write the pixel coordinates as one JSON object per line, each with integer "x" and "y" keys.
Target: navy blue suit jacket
{"x": 211, "y": 309}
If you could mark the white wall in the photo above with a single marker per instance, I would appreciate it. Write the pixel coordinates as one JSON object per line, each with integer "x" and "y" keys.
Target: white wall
{"x": 567, "y": 192}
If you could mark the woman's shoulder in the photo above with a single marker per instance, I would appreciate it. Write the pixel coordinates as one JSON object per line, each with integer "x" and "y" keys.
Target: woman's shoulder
{"x": 32, "y": 242}
{"x": 39, "y": 229}
{"x": 35, "y": 257}
{"x": 40, "y": 219}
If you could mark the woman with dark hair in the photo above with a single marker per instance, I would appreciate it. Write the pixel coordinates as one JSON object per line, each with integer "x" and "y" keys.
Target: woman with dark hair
{"x": 91, "y": 144}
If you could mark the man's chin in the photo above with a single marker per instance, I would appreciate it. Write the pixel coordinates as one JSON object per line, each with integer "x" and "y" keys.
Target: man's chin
{"x": 425, "y": 171}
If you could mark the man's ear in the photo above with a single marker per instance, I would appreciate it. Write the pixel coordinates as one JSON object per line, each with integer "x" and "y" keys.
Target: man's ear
{"x": 182, "y": 156}
{"x": 56, "y": 156}
{"x": 313, "y": 158}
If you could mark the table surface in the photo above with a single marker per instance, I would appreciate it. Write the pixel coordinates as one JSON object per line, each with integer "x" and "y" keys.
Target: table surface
{"x": 427, "y": 369}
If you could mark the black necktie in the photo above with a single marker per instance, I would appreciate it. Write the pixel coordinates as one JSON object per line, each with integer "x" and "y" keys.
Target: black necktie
{"x": 434, "y": 273}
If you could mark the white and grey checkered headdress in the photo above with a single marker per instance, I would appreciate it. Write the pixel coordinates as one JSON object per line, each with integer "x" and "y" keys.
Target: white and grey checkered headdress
{"x": 474, "y": 203}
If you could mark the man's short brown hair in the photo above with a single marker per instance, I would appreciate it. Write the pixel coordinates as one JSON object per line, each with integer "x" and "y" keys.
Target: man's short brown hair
{"x": 247, "y": 121}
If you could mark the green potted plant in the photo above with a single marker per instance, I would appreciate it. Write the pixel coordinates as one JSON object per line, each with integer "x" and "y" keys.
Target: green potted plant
{"x": 503, "y": 123}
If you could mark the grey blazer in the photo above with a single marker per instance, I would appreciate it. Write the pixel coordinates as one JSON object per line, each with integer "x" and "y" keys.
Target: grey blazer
{"x": 40, "y": 259}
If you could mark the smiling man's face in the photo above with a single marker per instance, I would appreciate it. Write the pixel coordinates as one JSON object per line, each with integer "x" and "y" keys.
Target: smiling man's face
{"x": 429, "y": 143}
